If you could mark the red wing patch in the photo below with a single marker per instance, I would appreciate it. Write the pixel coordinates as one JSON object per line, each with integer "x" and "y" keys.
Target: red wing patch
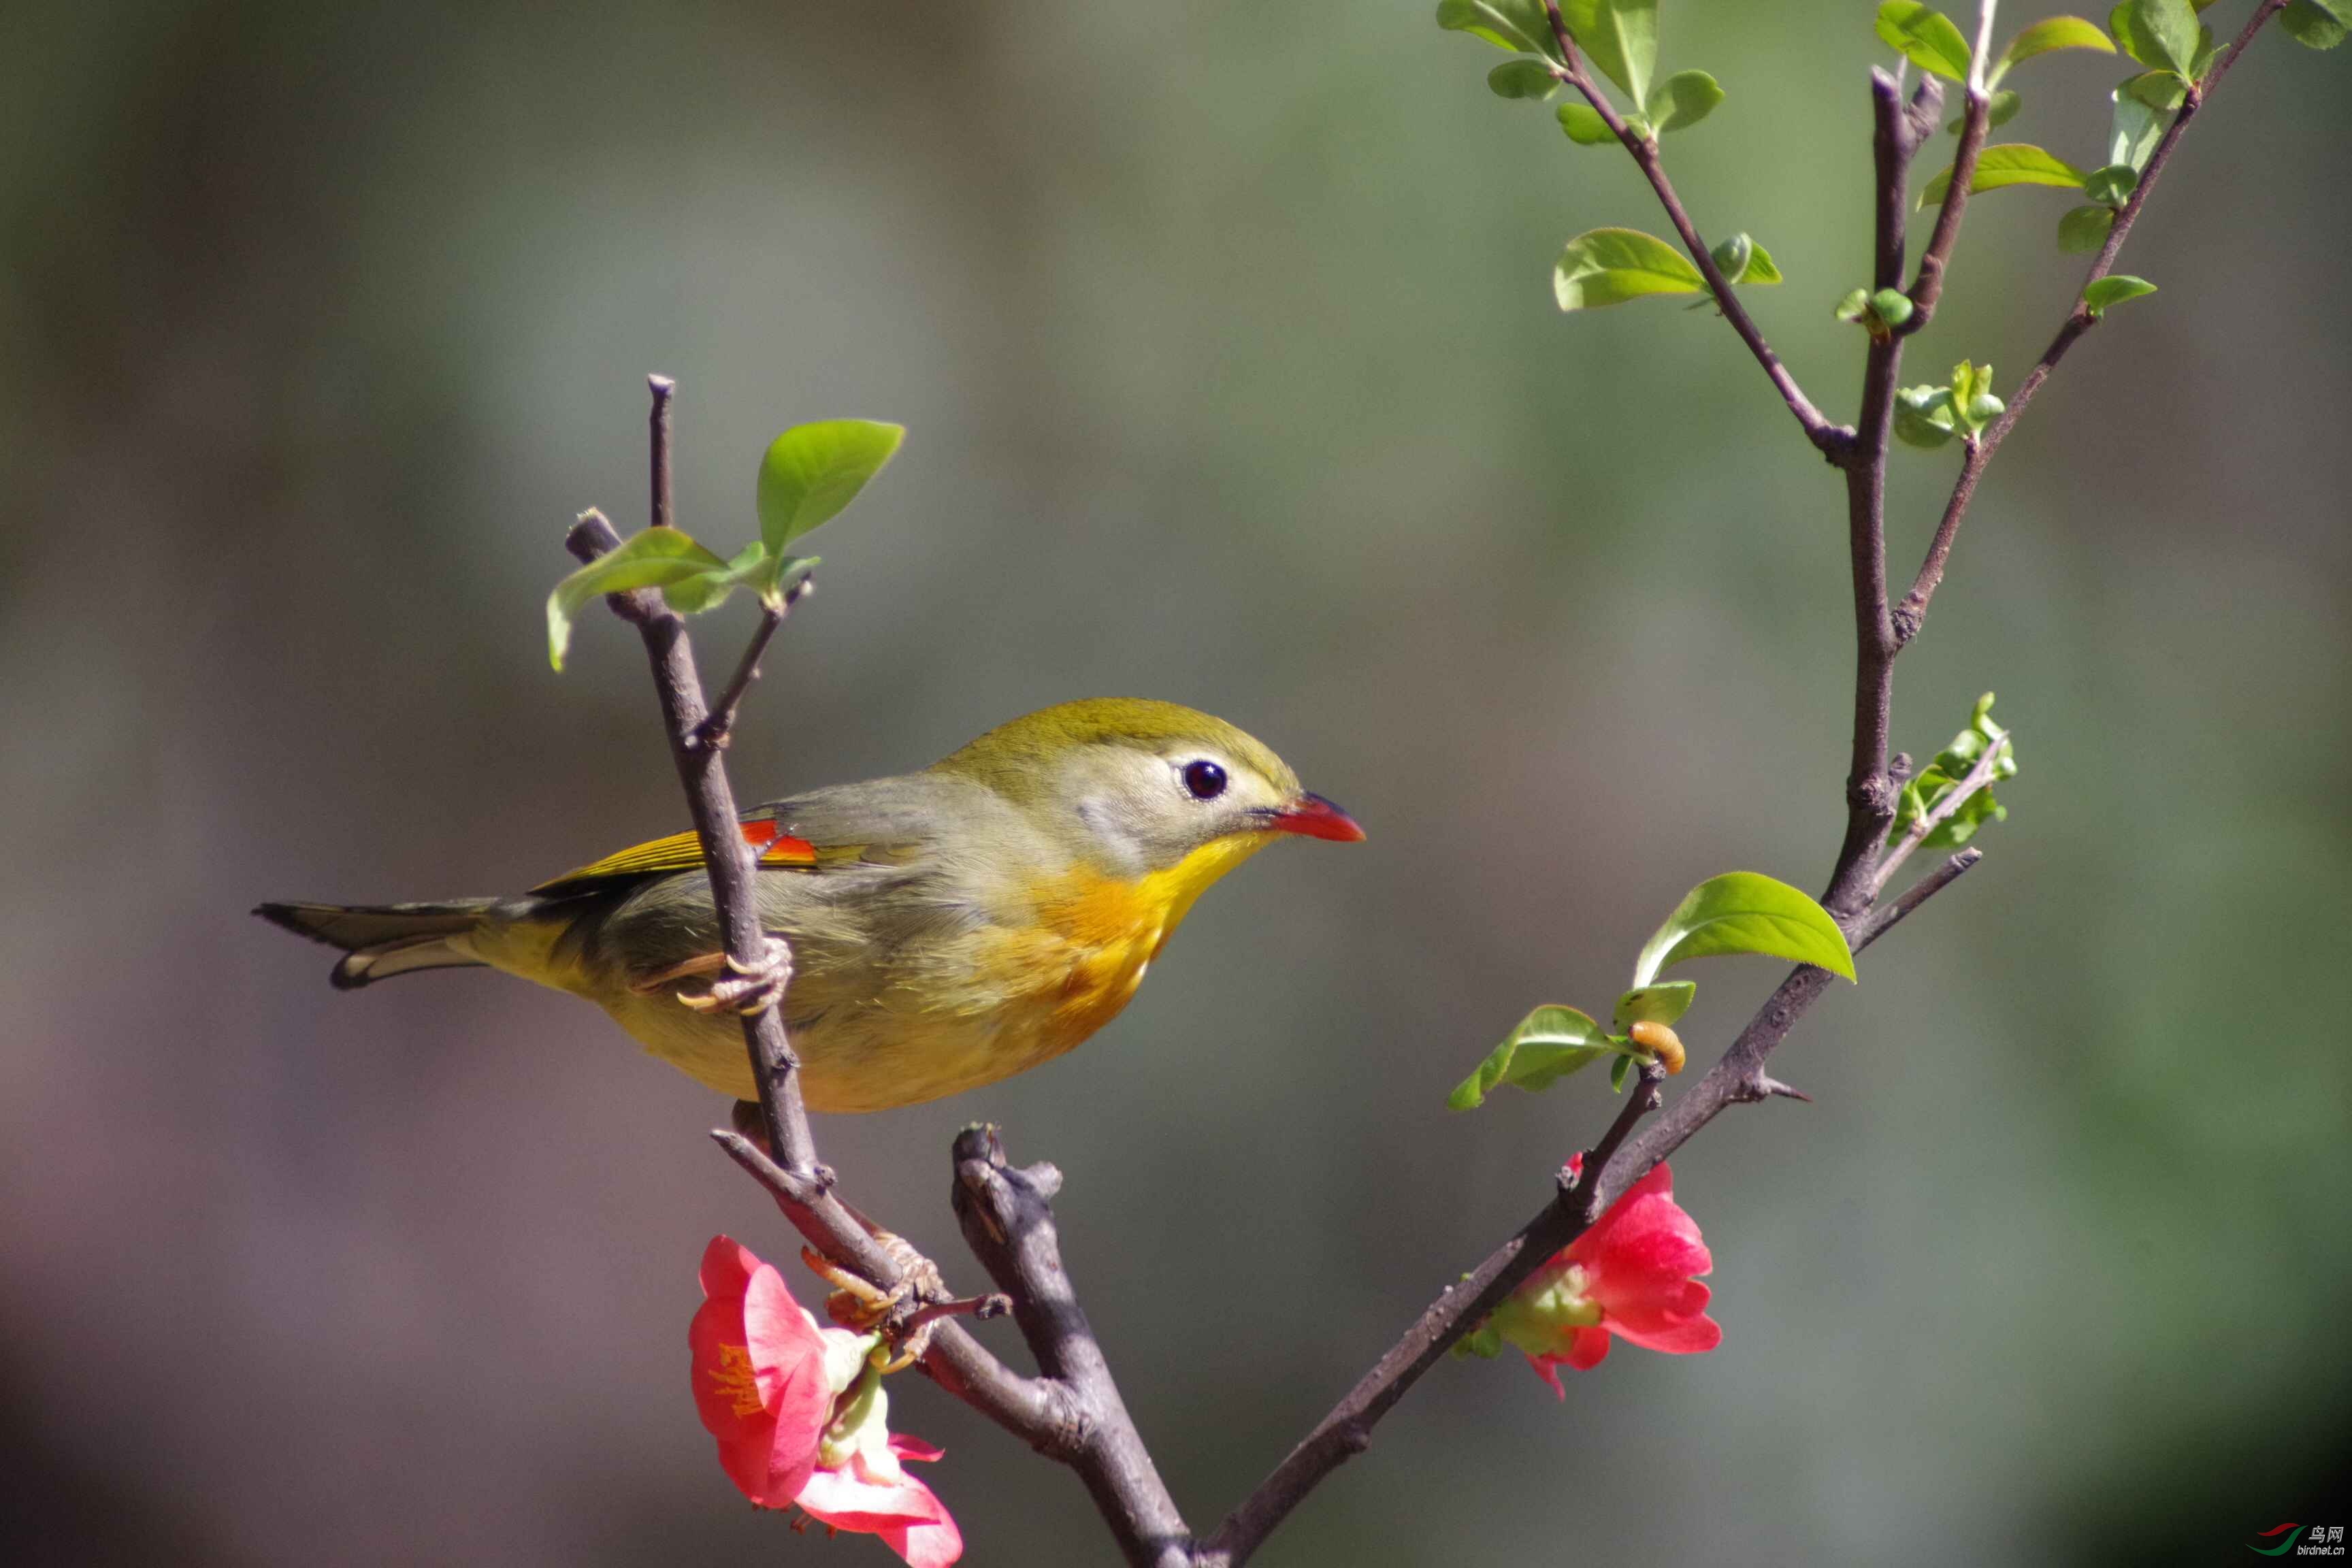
{"x": 683, "y": 852}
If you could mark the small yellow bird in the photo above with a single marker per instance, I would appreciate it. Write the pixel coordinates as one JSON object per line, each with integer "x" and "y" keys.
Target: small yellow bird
{"x": 949, "y": 928}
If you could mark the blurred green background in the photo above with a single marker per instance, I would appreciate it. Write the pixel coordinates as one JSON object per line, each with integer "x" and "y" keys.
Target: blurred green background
{"x": 1224, "y": 337}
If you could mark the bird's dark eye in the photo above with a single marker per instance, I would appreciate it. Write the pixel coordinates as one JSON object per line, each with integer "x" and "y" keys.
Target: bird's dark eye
{"x": 1204, "y": 779}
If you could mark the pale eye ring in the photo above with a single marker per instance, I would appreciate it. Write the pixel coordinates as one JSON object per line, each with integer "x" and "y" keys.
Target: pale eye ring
{"x": 1204, "y": 779}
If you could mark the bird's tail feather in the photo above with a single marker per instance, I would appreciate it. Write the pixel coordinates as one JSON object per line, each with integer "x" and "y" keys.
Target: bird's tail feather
{"x": 379, "y": 941}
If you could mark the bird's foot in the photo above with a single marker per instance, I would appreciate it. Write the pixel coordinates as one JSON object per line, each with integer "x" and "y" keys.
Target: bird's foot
{"x": 901, "y": 1314}
{"x": 747, "y": 989}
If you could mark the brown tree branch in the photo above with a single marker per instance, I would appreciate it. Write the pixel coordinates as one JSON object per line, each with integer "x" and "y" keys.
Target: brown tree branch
{"x": 1612, "y": 1167}
{"x": 1896, "y": 137}
{"x": 1912, "y": 613}
{"x": 1831, "y": 438}
{"x": 1008, "y": 1220}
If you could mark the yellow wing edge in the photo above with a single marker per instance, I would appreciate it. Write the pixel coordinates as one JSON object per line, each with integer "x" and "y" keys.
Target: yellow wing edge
{"x": 683, "y": 852}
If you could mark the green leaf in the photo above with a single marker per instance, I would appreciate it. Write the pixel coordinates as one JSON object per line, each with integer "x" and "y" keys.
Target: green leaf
{"x": 2144, "y": 104}
{"x": 770, "y": 576}
{"x": 1760, "y": 269}
{"x": 1974, "y": 405}
{"x": 1518, "y": 26}
{"x": 2208, "y": 54}
{"x": 1925, "y": 37}
{"x": 653, "y": 559}
{"x": 1924, "y": 415}
{"x": 2054, "y": 32}
{"x": 2317, "y": 23}
{"x": 1660, "y": 1004}
{"x": 2010, "y": 163}
{"x": 1548, "y": 1044}
{"x": 1732, "y": 255}
{"x": 2113, "y": 289}
{"x": 1522, "y": 78}
{"x": 1622, "y": 36}
{"x": 1743, "y": 260}
{"x": 1684, "y": 99}
{"x": 1610, "y": 266}
{"x": 1619, "y": 1072}
{"x": 812, "y": 471}
{"x": 2084, "y": 229}
{"x": 2160, "y": 90}
{"x": 1584, "y": 125}
{"x": 1854, "y": 306}
{"x": 1935, "y": 782}
{"x": 2000, "y": 109}
{"x": 2111, "y": 186}
{"x": 2160, "y": 34}
{"x": 1485, "y": 1342}
{"x": 1742, "y": 912}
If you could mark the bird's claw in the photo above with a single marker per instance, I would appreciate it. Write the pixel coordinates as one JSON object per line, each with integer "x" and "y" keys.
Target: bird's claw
{"x": 748, "y": 990}
{"x": 866, "y": 1307}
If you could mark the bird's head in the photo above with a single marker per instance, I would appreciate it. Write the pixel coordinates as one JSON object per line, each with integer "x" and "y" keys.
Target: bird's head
{"x": 1137, "y": 787}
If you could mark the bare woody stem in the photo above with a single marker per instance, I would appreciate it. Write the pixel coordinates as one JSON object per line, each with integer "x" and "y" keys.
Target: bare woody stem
{"x": 1896, "y": 134}
{"x": 716, "y": 729}
{"x": 1009, "y": 1224}
{"x": 1825, "y": 435}
{"x": 1912, "y": 613}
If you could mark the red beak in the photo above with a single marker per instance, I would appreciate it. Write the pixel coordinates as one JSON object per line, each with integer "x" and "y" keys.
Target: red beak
{"x": 1312, "y": 816}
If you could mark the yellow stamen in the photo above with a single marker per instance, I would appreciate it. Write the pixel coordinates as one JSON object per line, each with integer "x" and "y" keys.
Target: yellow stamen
{"x": 734, "y": 1378}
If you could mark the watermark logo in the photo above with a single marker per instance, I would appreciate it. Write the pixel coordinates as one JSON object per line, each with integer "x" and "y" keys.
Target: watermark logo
{"x": 2303, "y": 1540}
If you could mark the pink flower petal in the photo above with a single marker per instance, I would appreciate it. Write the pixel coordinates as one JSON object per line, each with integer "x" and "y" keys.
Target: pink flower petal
{"x": 932, "y": 1544}
{"x": 1586, "y": 1349}
{"x": 1544, "y": 1366}
{"x": 851, "y": 1498}
{"x": 1691, "y": 1336}
{"x": 758, "y": 1376}
{"x": 727, "y": 1267}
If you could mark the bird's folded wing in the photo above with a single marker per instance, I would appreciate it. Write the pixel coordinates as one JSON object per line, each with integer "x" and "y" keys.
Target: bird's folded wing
{"x": 683, "y": 852}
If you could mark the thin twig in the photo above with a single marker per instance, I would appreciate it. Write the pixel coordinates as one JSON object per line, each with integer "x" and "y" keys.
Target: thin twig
{"x": 715, "y": 730}
{"x": 1883, "y": 918}
{"x": 1646, "y": 1098}
{"x": 711, "y": 800}
{"x": 1830, "y": 437}
{"x": 1975, "y": 118}
{"x": 995, "y": 1304}
{"x": 1912, "y": 613}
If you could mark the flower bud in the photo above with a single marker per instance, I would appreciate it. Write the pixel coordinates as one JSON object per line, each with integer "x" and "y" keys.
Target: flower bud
{"x": 1661, "y": 1042}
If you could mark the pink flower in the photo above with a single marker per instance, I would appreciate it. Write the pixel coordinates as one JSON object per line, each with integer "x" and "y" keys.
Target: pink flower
{"x": 1630, "y": 1276}
{"x": 800, "y": 1414}
{"x": 869, "y": 1491}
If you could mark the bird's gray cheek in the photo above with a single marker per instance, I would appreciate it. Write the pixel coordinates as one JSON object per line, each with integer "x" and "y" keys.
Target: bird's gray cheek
{"x": 1115, "y": 836}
